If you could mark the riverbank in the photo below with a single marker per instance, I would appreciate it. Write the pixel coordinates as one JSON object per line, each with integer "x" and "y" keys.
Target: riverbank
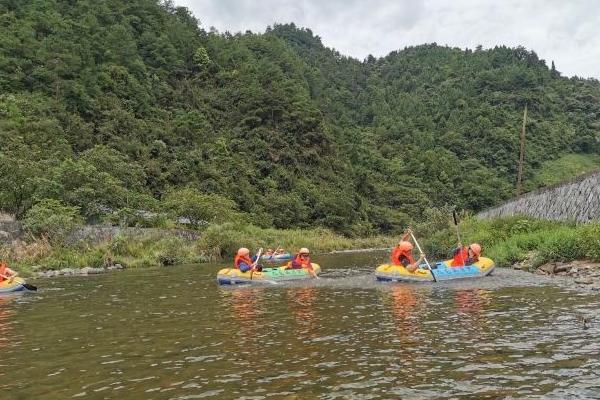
{"x": 519, "y": 242}
{"x": 153, "y": 248}
{"x": 558, "y": 249}
{"x": 514, "y": 240}
{"x": 581, "y": 273}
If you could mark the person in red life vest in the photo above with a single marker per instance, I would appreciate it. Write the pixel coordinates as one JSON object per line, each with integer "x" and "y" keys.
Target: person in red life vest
{"x": 474, "y": 253}
{"x": 302, "y": 260}
{"x": 5, "y": 272}
{"x": 242, "y": 260}
{"x": 466, "y": 255}
{"x": 402, "y": 254}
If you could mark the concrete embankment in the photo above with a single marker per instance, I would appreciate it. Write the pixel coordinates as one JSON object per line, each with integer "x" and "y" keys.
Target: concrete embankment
{"x": 577, "y": 200}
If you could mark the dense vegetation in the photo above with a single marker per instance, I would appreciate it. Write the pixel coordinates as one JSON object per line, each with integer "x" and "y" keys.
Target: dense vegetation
{"x": 125, "y": 109}
{"x": 151, "y": 247}
{"x": 521, "y": 239}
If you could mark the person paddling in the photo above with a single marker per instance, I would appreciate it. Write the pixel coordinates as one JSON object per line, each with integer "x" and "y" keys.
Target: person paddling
{"x": 302, "y": 261}
{"x": 5, "y": 272}
{"x": 243, "y": 262}
{"x": 402, "y": 254}
{"x": 464, "y": 255}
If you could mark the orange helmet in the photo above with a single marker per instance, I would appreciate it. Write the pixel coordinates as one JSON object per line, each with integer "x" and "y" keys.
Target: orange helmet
{"x": 243, "y": 252}
{"x": 405, "y": 246}
{"x": 476, "y": 248}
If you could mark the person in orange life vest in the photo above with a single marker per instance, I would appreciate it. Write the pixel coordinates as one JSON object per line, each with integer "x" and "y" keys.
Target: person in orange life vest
{"x": 466, "y": 255}
{"x": 5, "y": 272}
{"x": 242, "y": 260}
{"x": 302, "y": 260}
{"x": 402, "y": 254}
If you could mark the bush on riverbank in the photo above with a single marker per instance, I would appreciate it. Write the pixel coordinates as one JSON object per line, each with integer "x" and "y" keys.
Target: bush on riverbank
{"x": 515, "y": 239}
{"x": 507, "y": 241}
{"x": 224, "y": 240}
{"x": 218, "y": 243}
{"x": 52, "y": 219}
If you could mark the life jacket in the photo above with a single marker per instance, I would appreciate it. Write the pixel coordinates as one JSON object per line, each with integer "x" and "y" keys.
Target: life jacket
{"x": 397, "y": 254}
{"x": 241, "y": 259}
{"x": 298, "y": 262}
{"x": 461, "y": 257}
{"x": 3, "y": 271}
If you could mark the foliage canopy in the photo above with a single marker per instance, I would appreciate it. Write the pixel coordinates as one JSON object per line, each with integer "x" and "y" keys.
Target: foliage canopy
{"x": 110, "y": 105}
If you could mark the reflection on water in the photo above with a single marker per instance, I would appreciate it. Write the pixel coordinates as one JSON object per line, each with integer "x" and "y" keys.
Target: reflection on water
{"x": 6, "y": 321}
{"x": 174, "y": 334}
{"x": 471, "y": 305}
{"x": 246, "y": 307}
{"x": 302, "y": 302}
{"x": 405, "y": 304}
{"x": 6, "y": 334}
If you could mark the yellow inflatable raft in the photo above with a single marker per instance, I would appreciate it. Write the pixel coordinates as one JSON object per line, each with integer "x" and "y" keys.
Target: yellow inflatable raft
{"x": 442, "y": 271}
{"x": 233, "y": 276}
{"x": 12, "y": 285}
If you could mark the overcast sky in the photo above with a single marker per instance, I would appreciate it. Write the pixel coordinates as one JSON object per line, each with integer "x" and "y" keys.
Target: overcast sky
{"x": 566, "y": 31}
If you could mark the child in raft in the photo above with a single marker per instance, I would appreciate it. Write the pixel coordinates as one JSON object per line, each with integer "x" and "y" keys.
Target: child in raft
{"x": 5, "y": 272}
{"x": 464, "y": 255}
{"x": 243, "y": 262}
{"x": 402, "y": 254}
{"x": 302, "y": 260}
{"x": 271, "y": 253}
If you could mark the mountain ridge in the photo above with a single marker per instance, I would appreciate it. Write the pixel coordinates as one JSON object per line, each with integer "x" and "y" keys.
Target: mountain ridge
{"x": 109, "y": 106}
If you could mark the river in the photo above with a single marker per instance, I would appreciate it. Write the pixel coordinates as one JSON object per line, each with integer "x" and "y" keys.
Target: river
{"x": 173, "y": 333}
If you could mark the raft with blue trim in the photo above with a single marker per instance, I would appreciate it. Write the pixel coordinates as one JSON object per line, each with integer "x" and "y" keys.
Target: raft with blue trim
{"x": 233, "y": 276}
{"x": 276, "y": 258}
{"x": 12, "y": 285}
{"x": 442, "y": 271}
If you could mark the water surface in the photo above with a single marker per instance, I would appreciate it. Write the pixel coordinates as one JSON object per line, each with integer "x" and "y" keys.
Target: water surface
{"x": 172, "y": 333}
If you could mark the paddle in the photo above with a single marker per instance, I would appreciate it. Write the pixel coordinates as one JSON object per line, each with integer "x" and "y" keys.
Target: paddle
{"x": 25, "y": 285}
{"x": 254, "y": 265}
{"x": 425, "y": 258}
{"x": 312, "y": 272}
{"x": 257, "y": 258}
{"x": 458, "y": 234}
{"x": 274, "y": 253}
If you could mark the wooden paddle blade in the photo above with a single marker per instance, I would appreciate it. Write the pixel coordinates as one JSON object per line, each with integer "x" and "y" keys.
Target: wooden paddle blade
{"x": 455, "y": 218}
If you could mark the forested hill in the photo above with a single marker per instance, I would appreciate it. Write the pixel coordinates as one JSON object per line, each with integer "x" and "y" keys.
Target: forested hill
{"x": 113, "y": 106}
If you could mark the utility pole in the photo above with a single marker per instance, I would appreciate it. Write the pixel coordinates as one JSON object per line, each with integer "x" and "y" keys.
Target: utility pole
{"x": 521, "y": 155}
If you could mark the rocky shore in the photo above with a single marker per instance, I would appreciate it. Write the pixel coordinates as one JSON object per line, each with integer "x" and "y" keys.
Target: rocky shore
{"x": 77, "y": 271}
{"x": 582, "y": 273}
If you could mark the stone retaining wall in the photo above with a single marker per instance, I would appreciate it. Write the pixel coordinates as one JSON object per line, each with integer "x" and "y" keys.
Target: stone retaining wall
{"x": 13, "y": 230}
{"x": 577, "y": 200}
{"x": 99, "y": 233}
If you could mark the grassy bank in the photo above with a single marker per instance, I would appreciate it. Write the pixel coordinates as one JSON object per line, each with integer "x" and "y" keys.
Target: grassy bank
{"x": 515, "y": 239}
{"x": 217, "y": 243}
{"x": 506, "y": 241}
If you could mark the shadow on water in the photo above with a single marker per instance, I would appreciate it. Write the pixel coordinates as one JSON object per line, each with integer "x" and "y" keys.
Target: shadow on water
{"x": 175, "y": 334}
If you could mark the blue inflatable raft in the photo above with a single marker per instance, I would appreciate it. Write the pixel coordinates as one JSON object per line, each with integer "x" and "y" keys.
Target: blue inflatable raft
{"x": 442, "y": 271}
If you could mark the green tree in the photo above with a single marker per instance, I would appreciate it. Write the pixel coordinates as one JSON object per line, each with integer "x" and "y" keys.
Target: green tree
{"x": 201, "y": 209}
{"x": 52, "y": 219}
